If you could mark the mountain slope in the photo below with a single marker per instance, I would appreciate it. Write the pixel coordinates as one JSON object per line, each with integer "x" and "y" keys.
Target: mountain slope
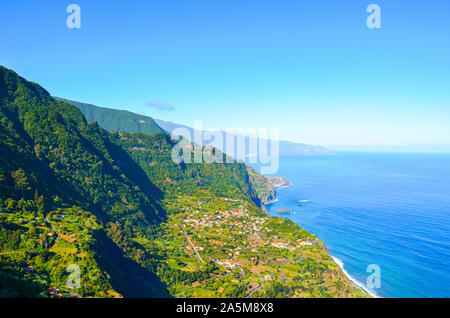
{"x": 114, "y": 119}
{"x": 52, "y": 162}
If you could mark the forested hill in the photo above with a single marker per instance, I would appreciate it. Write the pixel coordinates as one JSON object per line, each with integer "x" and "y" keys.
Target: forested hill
{"x": 48, "y": 140}
{"x": 53, "y": 164}
{"x": 114, "y": 119}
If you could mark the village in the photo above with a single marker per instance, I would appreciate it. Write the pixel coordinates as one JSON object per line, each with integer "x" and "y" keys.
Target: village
{"x": 242, "y": 223}
{"x": 244, "y": 245}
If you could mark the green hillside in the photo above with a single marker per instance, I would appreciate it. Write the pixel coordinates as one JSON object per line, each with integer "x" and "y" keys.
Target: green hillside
{"x": 52, "y": 162}
{"x": 113, "y": 119}
{"x": 113, "y": 209}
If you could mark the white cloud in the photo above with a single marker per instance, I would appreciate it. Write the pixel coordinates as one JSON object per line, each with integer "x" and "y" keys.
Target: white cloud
{"x": 159, "y": 105}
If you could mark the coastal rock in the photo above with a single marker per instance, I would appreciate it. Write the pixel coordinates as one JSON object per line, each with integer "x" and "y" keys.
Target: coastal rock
{"x": 266, "y": 186}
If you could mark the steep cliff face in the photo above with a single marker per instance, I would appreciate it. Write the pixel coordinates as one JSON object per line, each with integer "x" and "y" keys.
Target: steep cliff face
{"x": 266, "y": 186}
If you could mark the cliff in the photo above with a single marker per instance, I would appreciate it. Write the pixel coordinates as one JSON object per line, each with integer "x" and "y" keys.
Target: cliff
{"x": 266, "y": 186}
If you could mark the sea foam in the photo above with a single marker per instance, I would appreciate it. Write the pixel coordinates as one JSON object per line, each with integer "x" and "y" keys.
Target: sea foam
{"x": 354, "y": 280}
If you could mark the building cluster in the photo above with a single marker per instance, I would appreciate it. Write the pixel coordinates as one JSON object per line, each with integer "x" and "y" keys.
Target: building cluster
{"x": 227, "y": 263}
{"x": 227, "y": 218}
{"x": 240, "y": 222}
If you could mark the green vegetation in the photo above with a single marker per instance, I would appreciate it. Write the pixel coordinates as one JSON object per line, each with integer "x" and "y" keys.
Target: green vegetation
{"x": 263, "y": 186}
{"x": 49, "y": 154}
{"x": 242, "y": 252}
{"x": 113, "y": 119}
{"x": 115, "y": 207}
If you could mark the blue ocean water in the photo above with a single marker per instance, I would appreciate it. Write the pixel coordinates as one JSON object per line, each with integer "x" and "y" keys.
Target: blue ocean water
{"x": 389, "y": 209}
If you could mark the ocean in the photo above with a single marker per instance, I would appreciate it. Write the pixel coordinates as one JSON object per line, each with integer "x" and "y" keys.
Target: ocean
{"x": 388, "y": 209}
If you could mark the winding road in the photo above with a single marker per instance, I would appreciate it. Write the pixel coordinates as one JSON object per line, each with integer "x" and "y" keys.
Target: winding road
{"x": 54, "y": 230}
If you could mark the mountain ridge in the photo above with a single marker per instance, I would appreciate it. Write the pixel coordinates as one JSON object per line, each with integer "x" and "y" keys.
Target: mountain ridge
{"x": 122, "y": 118}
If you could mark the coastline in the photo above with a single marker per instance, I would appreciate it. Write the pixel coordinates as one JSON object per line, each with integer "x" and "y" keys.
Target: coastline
{"x": 276, "y": 195}
{"x": 353, "y": 280}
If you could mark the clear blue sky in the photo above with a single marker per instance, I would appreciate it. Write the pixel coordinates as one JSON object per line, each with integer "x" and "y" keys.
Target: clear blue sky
{"x": 311, "y": 68}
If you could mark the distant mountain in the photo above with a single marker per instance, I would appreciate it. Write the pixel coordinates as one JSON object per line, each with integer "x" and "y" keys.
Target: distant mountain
{"x": 286, "y": 148}
{"x": 121, "y": 120}
{"x": 431, "y": 148}
{"x": 114, "y": 119}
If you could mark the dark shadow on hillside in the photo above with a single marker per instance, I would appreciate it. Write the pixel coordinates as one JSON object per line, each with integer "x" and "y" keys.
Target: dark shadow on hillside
{"x": 47, "y": 182}
{"x": 127, "y": 277}
{"x": 14, "y": 284}
{"x": 137, "y": 175}
{"x": 131, "y": 170}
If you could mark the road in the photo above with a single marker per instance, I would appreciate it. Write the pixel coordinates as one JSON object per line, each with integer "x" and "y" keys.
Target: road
{"x": 254, "y": 291}
{"x": 54, "y": 230}
{"x": 284, "y": 276}
{"x": 192, "y": 245}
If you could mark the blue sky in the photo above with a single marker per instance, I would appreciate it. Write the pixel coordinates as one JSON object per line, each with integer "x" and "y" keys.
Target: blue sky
{"x": 311, "y": 68}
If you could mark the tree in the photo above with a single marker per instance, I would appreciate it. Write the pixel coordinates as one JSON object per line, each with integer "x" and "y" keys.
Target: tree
{"x": 20, "y": 179}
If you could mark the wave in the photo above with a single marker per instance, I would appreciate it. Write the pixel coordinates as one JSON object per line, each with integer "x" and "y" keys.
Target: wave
{"x": 270, "y": 202}
{"x": 354, "y": 280}
{"x": 284, "y": 186}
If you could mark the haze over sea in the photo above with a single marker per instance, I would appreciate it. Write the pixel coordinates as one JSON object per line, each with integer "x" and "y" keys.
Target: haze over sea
{"x": 389, "y": 209}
